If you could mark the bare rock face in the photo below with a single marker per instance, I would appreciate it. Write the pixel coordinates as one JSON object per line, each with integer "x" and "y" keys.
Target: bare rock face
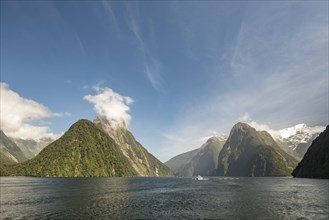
{"x": 144, "y": 163}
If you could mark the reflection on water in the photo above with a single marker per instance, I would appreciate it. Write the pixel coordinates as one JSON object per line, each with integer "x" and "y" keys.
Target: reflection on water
{"x": 154, "y": 198}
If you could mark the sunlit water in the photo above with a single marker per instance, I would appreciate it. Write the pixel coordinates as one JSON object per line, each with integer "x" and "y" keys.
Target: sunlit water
{"x": 163, "y": 198}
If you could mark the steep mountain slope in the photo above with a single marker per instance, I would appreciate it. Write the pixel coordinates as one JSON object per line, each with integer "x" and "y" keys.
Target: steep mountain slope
{"x": 30, "y": 147}
{"x": 9, "y": 152}
{"x": 300, "y": 137}
{"x": 144, "y": 163}
{"x": 202, "y": 161}
{"x": 315, "y": 163}
{"x": 248, "y": 152}
{"x": 84, "y": 150}
{"x": 180, "y": 164}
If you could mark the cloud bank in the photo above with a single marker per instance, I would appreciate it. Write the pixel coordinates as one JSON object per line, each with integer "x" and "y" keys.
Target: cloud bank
{"x": 20, "y": 115}
{"x": 112, "y": 105}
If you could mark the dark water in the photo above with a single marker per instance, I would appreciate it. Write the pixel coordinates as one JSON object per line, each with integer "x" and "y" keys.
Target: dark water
{"x": 163, "y": 198}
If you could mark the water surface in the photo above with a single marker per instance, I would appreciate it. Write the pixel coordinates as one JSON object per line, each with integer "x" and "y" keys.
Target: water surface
{"x": 163, "y": 198}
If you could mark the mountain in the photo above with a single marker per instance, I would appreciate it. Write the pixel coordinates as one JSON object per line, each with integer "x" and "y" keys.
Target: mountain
{"x": 144, "y": 163}
{"x": 300, "y": 137}
{"x": 315, "y": 163}
{"x": 248, "y": 152}
{"x": 202, "y": 161}
{"x": 32, "y": 147}
{"x": 10, "y": 153}
{"x": 84, "y": 150}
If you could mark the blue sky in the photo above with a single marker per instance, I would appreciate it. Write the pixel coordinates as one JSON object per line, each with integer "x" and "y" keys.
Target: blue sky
{"x": 175, "y": 71}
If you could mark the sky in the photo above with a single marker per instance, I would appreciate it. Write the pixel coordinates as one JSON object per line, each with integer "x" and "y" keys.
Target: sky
{"x": 174, "y": 72}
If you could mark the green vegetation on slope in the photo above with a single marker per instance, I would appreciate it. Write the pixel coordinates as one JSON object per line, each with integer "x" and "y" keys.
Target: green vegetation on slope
{"x": 84, "y": 150}
{"x": 248, "y": 152}
{"x": 143, "y": 162}
{"x": 315, "y": 163}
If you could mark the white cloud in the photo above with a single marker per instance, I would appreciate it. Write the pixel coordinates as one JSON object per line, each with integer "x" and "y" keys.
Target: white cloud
{"x": 19, "y": 115}
{"x": 260, "y": 127}
{"x": 112, "y": 105}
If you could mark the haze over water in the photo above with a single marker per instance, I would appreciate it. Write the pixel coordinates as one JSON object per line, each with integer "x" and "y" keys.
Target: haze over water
{"x": 163, "y": 198}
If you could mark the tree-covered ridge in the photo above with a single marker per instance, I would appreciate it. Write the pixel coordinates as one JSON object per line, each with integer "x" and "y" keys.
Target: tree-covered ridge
{"x": 84, "y": 150}
{"x": 248, "y": 152}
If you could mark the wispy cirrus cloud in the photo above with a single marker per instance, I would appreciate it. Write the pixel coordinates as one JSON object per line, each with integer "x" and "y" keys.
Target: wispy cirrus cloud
{"x": 286, "y": 61}
{"x": 153, "y": 67}
{"x": 110, "y": 20}
{"x": 278, "y": 74}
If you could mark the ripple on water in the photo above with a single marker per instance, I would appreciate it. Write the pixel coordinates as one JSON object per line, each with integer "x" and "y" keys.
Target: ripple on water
{"x": 163, "y": 198}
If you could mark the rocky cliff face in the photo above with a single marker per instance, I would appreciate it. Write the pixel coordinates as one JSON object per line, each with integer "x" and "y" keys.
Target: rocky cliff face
{"x": 9, "y": 152}
{"x": 315, "y": 163}
{"x": 248, "y": 152}
{"x": 144, "y": 163}
{"x": 202, "y": 161}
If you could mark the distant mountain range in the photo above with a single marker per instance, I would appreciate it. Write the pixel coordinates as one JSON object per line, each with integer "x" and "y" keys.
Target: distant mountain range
{"x": 104, "y": 148}
{"x": 247, "y": 152}
{"x": 10, "y": 153}
{"x": 300, "y": 137}
{"x": 15, "y": 150}
{"x": 315, "y": 163}
{"x": 201, "y": 161}
{"x": 33, "y": 147}
{"x": 86, "y": 149}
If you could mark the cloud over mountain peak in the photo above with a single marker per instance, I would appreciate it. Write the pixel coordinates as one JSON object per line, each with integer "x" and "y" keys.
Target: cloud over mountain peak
{"x": 112, "y": 105}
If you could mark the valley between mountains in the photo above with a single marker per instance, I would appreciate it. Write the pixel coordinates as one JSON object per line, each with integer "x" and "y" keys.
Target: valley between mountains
{"x": 105, "y": 148}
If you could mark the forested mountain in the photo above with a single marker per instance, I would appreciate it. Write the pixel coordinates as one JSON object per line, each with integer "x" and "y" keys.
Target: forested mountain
{"x": 248, "y": 152}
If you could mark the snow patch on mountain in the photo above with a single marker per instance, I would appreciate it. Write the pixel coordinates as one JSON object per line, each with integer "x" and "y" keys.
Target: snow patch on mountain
{"x": 300, "y": 133}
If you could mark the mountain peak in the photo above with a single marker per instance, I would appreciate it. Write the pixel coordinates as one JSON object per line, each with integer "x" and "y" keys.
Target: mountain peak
{"x": 217, "y": 138}
{"x": 248, "y": 152}
{"x": 144, "y": 163}
{"x": 241, "y": 128}
{"x": 241, "y": 125}
{"x": 300, "y": 128}
{"x": 84, "y": 150}
{"x": 300, "y": 136}
{"x": 109, "y": 124}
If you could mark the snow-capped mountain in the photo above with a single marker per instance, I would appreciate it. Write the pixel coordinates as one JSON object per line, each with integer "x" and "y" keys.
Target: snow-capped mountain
{"x": 300, "y": 137}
